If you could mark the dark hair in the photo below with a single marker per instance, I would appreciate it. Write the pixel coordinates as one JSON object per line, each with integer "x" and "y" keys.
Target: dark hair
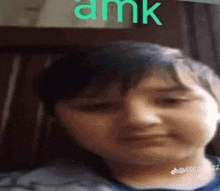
{"x": 124, "y": 61}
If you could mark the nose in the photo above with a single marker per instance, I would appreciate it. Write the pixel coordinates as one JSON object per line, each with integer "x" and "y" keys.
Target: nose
{"x": 140, "y": 113}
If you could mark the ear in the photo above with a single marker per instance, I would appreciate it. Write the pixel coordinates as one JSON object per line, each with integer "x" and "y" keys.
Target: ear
{"x": 218, "y": 112}
{"x": 219, "y": 117}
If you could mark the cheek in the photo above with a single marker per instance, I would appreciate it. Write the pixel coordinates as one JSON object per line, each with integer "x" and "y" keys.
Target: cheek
{"x": 208, "y": 116}
{"x": 89, "y": 129}
{"x": 201, "y": 119}
{"x": 197, "y": 123}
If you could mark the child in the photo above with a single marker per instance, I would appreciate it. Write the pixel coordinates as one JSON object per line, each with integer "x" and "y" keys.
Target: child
{"x": 143, "y": 115}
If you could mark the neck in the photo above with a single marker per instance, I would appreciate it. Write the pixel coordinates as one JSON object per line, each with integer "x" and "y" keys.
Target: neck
{"x": 151, "y": 174}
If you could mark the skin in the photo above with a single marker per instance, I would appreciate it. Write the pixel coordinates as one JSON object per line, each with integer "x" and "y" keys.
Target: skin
{"x": 189, "y": 122}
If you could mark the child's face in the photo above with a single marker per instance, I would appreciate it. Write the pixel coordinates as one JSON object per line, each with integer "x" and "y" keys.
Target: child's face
{"x": 105, "y": 124}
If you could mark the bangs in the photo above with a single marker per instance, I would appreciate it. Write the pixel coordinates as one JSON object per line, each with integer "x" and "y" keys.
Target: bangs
{"x": 124, "y": 62}
{"x": 128, "y": 64}
{"x": 132, "y": 77}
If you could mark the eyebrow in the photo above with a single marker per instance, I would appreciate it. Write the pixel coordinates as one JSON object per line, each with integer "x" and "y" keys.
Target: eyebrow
{"x": 87, "y": 100}
{"x": 169, "y": 89}
{"x": 92, "y": 98}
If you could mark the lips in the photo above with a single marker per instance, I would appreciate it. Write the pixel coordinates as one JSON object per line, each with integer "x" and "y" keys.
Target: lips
{"x": 143, "y": 137}
{"x": 136, "y": 142}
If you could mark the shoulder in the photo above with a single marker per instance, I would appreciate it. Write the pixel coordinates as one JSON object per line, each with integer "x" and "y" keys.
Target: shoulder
{"x": 215, "y": 159}
{"x": 215, "y": 183}
{"x": 218, "y": 158}
{"x": 60, "y": 174}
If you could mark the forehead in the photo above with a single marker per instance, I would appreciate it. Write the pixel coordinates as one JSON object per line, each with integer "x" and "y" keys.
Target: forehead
{"x": 155, "y": 82}
{"x": 161, "y": 80}
{"x": 108, "y": 91}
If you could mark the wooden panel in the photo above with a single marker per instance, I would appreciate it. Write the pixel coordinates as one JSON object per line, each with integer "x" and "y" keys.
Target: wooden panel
{"x": 5, "y": 71}
{"x": 21, "y": 134}
{"x": 20, "y": 39}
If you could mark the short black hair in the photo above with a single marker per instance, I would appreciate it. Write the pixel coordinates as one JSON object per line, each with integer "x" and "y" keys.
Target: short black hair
{"x": 123, "y": 61}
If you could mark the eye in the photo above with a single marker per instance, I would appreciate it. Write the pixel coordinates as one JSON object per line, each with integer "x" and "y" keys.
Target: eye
{"x": 170, "y": 101}
{"x": 104, "y": 107}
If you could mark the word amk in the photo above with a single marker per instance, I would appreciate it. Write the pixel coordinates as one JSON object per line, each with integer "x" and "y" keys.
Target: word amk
{"x": 93, "y": 6}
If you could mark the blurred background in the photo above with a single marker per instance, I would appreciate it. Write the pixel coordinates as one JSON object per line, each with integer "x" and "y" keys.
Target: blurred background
{"x": 34, "y": 33}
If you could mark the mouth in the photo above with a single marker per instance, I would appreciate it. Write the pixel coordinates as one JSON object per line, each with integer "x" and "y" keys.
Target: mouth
{"x": 148, "y": 140}
{"x": 143, "y": 137}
